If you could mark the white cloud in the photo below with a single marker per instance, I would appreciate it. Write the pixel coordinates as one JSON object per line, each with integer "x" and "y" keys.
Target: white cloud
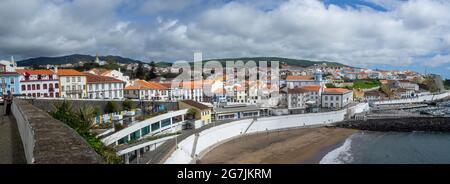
{"x": 438, "y": 60}
{"x": 297, "y": 28}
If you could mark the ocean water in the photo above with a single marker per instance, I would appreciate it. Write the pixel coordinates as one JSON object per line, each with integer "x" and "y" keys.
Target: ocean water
{"x": 392, "y": 148}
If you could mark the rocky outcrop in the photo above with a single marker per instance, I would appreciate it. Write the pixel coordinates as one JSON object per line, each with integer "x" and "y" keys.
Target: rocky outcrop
{"x": 430, "y": 124}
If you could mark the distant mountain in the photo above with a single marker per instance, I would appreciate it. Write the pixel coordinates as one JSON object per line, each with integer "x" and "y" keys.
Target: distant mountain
{"x": 73, "y": 59}
{"x": 79, "y": 57}
{"x": 287, "y": 61}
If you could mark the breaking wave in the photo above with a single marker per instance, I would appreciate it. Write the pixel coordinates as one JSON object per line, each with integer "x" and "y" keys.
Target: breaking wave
{"x": 340, "y": 155}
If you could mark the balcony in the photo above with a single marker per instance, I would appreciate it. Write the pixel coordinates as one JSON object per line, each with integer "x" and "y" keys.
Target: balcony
{"x": 74, "y": 92}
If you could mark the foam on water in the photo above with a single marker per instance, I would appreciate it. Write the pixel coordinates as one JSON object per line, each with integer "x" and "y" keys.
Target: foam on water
{"x": 340, "y": 155}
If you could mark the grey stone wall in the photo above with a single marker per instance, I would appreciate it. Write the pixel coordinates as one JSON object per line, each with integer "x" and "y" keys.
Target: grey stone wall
{"x": 49, "y": 141}
{"x": 47, "y": 104}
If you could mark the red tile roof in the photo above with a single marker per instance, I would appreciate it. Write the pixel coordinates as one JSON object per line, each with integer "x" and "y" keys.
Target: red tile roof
{"x": 299, "y": 78}
{"x": 311, "y": 88}
{"x": 69, "y": 72}
{"x": 336, "y": 90}
{"x": 91, "y": 78}
{"x": 35, "y": 72}
{"x": 145, "y": 85}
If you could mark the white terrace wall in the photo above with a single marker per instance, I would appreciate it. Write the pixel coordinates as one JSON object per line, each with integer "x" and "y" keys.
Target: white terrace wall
{"x": 219, "y": 134}
{"x": 427, "y": 98}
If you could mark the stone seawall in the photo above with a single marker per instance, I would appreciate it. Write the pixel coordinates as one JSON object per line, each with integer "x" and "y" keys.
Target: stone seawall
{"x": 49, "y": 141}
{"x": 429, "y": 124}
{"x": 47, "y": 104}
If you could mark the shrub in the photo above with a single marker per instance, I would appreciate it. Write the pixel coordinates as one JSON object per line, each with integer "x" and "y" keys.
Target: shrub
{"x": 128, "y": 105}
{"x": 111, "y": 107}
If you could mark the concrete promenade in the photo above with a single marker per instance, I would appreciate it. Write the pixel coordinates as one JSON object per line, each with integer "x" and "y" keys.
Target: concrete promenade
{"x": 11, "y": 149}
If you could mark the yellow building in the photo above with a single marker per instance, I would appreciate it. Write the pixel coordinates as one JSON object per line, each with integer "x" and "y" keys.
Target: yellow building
{"x": 204, "y": 112}
{"x": 358, "y": 94}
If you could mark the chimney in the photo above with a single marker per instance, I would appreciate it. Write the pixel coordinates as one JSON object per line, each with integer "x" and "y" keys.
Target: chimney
{"x": 56, "y": 69}
{"x": 119, "y": 70}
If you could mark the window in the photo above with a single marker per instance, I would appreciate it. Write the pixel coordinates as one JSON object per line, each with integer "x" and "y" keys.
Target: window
{"x": 73, "y": 79}
{"x": 50, "y": 86}
{"x": 67, "y": 79}
{"x": 155, "y": 126}
{"x": 38, "y": 86}
{"x": 79, "y": 79}
{"x": 33, "y": 87}
{"x": 123, "y": 140}
{"x": 23, "y": 88}
{"x": 331, "y": 99}
{"x": 135, "y": 135}
{"x": 326, "y": 97}
{"x": 56, "y": 85}
{"x": 44, "y": 86}
{"x": 165, "y": 122}
{"x": 11, "y": 80}
{"x": 145, "y": 130}
{"x": 62, "y": 88}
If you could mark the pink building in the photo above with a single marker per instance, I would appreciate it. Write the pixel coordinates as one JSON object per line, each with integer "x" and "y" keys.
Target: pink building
{"x": 39, "y": 83}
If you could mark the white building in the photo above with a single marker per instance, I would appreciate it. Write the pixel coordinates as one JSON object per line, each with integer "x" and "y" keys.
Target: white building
{"x": 10, "y": 66}
{"x": 188, "y": 91}
{"x": 39, "y": 83}
{"x": 298, "y": 99}
{"x": 100, "y": 87}
{"x": 99, "y": 62}
{"x": 144, "y": 90}
{"x": 298, "y": 81}
{"x": 72, "y": 83}
{"x": 117, "y": 74}
{"x": 336, "y": 97}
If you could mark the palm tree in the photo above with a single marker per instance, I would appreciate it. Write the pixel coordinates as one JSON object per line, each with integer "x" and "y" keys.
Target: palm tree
{"x": 192, "y": 113}
{"x": 85, "y": 117}
{"x": 63, "y": 112}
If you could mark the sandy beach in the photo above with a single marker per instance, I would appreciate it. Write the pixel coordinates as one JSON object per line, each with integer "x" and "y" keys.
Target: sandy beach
{"x": 300, "y": 146}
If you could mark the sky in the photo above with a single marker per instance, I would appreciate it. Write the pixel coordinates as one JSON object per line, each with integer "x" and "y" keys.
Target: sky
{"x": 385, "y": 34}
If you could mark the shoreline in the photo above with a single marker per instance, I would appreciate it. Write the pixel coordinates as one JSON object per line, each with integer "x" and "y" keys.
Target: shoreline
{"x": 299, "y": 146}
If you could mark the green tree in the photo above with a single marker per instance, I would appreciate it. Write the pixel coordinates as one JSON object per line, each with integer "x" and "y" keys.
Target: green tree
{"x": 387, "y": 91}
{"x": 192, "y": 113}
{"x": 80, "y": 121}
{"x": 63, "y": 111}
{"x": 330, "y": 85}
{"x": 111, "y": 107}
{"x": 128, "y": 104}
{"x": 140, "y": 73}
{"x": 85, "y": 116}
{"x": 152, "y": 73}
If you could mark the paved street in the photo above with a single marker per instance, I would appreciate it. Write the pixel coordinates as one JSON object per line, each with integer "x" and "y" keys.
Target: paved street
{"x": 11, "y": 149}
